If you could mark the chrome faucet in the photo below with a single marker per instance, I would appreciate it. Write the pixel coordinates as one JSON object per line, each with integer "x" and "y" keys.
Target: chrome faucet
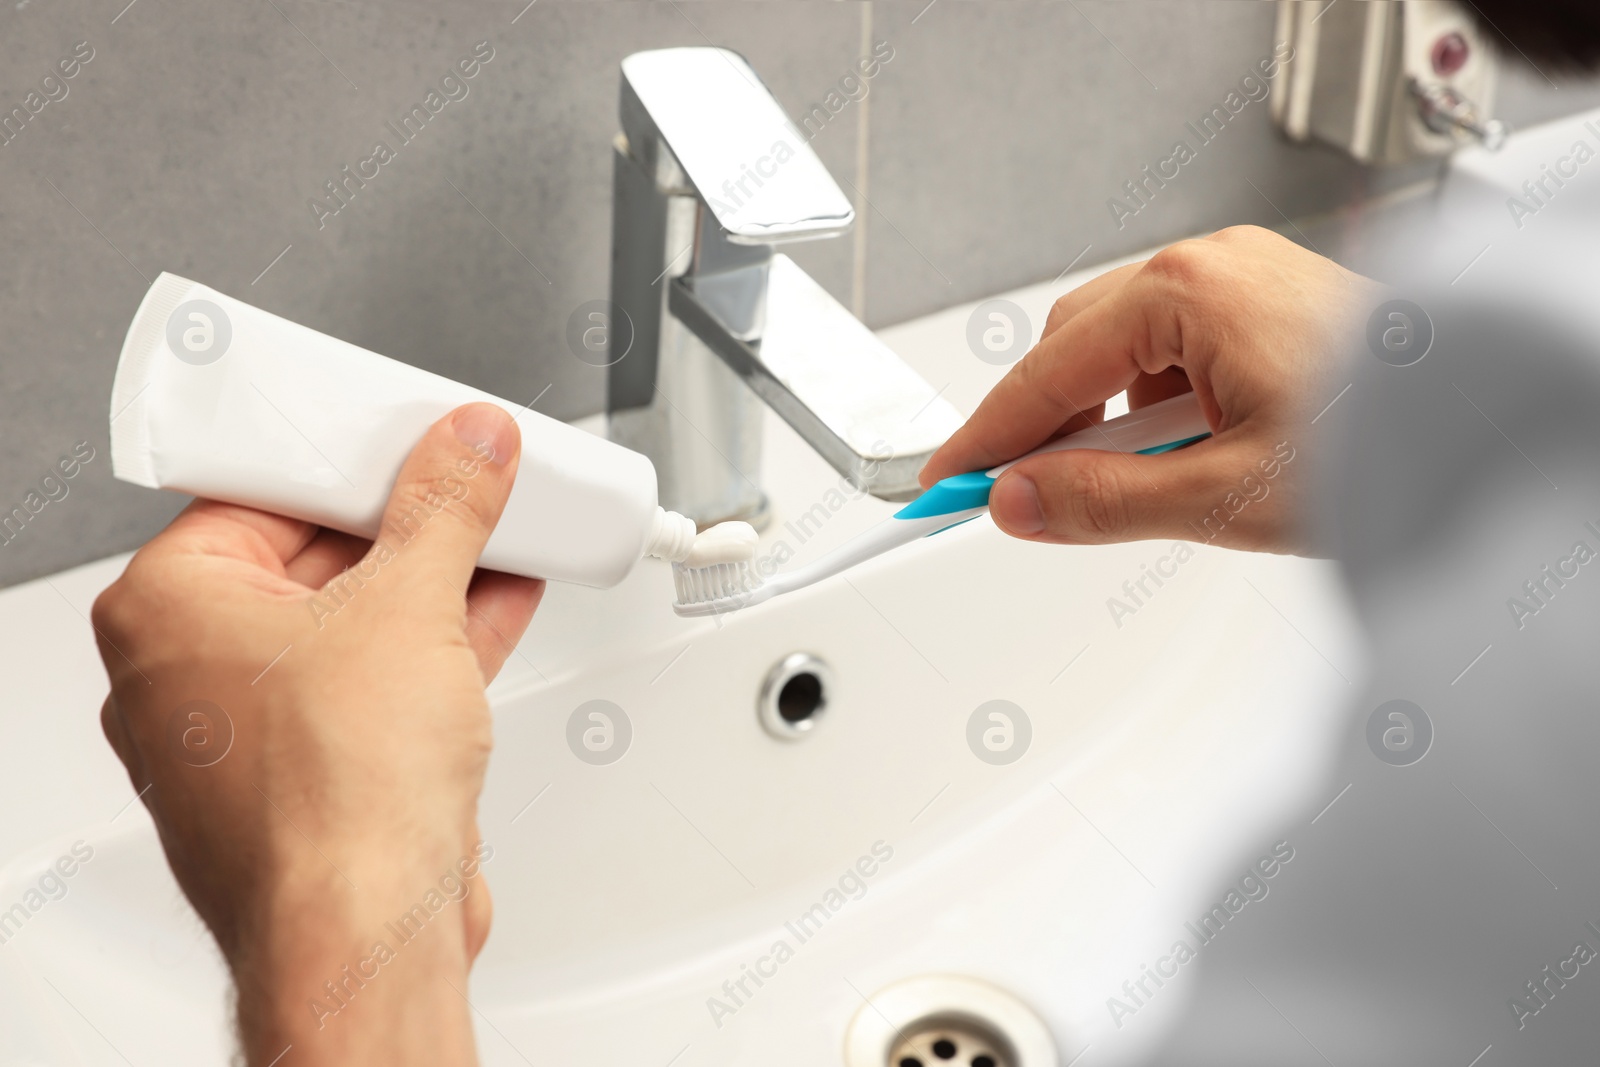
{"x": 710, "y": 176}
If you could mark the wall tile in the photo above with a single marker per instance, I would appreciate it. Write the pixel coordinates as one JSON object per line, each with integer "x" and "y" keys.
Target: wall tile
{"x": 1002, "y": 130}
{"x": 195, "y": 137}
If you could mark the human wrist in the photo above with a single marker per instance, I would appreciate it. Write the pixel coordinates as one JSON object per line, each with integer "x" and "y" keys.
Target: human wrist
{"x": 334, "y": 958}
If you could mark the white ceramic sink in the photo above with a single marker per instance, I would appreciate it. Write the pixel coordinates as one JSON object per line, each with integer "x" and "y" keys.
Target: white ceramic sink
{"x": 626, "y": 894}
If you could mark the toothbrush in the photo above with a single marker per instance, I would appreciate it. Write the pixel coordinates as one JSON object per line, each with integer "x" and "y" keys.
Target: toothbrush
{"x": 731, "y": 584}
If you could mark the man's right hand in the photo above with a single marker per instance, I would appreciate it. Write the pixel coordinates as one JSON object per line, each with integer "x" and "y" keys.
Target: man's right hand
{"x": 1248, "y": 320}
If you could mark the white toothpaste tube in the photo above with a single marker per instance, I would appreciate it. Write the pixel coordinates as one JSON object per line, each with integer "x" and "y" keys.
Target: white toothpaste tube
{"x": 223, "y": 400}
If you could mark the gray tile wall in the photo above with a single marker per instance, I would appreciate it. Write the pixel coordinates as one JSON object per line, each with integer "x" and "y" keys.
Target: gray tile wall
{"x": 194, "y": 138}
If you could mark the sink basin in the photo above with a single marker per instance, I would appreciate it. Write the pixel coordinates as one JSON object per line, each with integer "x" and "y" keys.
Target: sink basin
{"x": 636, "y": 893}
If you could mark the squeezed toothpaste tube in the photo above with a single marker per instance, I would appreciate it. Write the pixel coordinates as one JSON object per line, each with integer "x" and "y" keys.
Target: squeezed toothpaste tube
{"x": 219, "y": 399}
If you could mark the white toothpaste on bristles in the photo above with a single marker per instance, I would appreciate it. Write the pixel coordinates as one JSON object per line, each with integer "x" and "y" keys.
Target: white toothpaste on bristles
{"x": 726, "y": 542}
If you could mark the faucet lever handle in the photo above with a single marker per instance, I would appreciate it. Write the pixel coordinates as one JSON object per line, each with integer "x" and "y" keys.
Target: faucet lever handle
{"x": 747, "y": 161}
{"x": 1444, "y": 110}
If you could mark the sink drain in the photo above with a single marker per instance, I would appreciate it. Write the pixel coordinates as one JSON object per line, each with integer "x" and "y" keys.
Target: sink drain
{"x": 794, "y": 696}
{"x": 959, "y": 1044}
{"x": 947, "y": 1021}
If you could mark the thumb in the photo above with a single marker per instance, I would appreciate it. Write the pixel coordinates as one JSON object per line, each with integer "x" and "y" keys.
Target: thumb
{"x": 1200, "y": 493}
{"x": 446, "y": 501}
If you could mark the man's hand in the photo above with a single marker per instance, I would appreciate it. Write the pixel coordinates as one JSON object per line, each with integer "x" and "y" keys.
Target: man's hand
{"x": 1245, "y": 318}
{"x": 304, "y": 716}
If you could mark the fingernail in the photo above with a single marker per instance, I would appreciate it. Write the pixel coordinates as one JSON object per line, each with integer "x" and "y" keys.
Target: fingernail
{"x": 1014, "y": 503}
{"x": 487, "y": 430}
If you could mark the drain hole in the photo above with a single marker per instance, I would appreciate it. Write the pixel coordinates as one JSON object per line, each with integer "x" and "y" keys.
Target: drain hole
{"x": 800, "y": 698}
{"x": 942, "y": 1041}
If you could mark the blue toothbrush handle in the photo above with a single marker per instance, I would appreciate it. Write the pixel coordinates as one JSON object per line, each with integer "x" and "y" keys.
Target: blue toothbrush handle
{"x": 1162, "y": 427}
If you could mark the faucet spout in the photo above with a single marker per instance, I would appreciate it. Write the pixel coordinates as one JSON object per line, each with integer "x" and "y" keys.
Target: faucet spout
{"x": 710, "y": 177}
{"x": 874, "y": 419}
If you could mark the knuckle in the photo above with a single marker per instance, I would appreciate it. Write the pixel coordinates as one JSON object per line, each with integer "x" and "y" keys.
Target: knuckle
{"x": 1185, "y": 264}
{"x": 153, "y": 598}
{"x": 111, "y": 726}
{"x": 1095, "y": 506}
{"x": 1060, "y": 312}
{"x": 1242, "y": 234}
{"x": 104, "y": 608}
{"x": 432, "y": 495}
{"x": 109, "y": 614}
{"x": 1033, "y": 371}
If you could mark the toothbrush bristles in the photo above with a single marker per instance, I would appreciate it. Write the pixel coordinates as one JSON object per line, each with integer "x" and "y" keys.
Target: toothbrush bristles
{"x": 719, "y": 581}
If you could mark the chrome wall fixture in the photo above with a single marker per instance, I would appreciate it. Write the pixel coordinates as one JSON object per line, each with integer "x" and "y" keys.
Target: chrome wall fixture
{"x": 1390, "y": 81}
